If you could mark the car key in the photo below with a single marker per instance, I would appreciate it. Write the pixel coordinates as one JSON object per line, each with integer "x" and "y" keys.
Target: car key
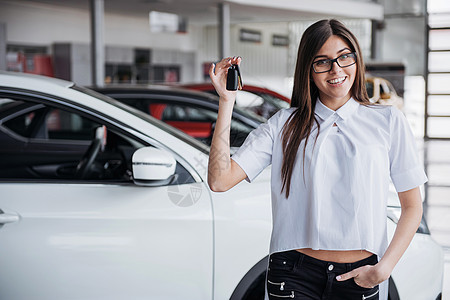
{"x": 234, "y": 79}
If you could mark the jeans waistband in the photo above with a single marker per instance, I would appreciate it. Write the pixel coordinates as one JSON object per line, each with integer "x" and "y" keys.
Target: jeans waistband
{"x": 302, "y": 259}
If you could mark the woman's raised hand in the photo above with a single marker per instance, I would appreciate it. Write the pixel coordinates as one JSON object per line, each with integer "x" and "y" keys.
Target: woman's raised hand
{"x": 223, "y": 172}
{"x": 218, "y": 73}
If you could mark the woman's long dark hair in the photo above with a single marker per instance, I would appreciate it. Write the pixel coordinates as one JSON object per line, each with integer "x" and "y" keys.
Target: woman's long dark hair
{"x": 305, "y": 92}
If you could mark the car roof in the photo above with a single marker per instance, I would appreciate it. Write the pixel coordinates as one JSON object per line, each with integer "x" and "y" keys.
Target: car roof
{"x": 173, "y": 91}
{"x": 207, "y": 86}
{"x": 156, "y": 89}
{"x": 31, "y": 81}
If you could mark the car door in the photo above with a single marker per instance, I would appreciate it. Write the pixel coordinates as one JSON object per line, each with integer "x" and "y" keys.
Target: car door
{"x": 100, "y": 237}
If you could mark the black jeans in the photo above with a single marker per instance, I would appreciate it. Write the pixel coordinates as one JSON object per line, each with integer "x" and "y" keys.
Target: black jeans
{"x": 294, "y": 275}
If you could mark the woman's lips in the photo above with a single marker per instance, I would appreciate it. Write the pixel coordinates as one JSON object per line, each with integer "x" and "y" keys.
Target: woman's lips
{"x": 337, "y": 81}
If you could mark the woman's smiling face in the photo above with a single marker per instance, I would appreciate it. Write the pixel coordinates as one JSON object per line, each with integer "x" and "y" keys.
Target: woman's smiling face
{"x": 335, "y": 85}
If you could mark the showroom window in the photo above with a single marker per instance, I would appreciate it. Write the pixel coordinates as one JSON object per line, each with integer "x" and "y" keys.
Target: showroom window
{"x": 438, "y": 71}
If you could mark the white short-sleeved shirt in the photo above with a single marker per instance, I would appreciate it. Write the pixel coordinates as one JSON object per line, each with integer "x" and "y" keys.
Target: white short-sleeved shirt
{"x": 338, "y": 201}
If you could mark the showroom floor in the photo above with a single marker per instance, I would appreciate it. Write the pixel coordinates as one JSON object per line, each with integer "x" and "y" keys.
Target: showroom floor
{"x": 437, "y": 200}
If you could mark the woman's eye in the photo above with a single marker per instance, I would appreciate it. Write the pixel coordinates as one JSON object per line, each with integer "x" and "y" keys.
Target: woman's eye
{"x": 347, "y": 56}
{"x": 321, "y": 62}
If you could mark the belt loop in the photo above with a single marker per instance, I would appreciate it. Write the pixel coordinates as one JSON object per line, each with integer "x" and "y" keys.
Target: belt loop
{"x": 299, "y": 261}
{"x": 349, "y": 267}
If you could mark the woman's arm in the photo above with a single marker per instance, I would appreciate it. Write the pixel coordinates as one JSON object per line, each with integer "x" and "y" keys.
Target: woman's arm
{"x": 223, "y": 172}
{"x": 369, "y": 276}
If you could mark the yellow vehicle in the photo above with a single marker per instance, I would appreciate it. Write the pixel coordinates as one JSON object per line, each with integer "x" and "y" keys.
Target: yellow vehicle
{"x": 381, "y": 91}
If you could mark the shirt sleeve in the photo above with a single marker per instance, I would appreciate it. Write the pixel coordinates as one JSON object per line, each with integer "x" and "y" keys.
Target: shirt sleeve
{"x": 255, "y": 154}
{"x": 406, "y": 170}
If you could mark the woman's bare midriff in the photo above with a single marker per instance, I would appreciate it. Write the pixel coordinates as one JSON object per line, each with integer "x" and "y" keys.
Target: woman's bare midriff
{"x": 348, "y": 256}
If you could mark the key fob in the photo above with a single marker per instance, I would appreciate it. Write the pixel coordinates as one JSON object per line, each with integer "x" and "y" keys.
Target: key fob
{"x": 234, "y": 80}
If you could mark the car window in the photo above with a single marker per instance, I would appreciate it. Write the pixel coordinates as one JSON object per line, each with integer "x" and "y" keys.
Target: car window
{"x": 270, "y": 105}
{"x": 22, "y": 124}
{"x": 246, "y": 99}
{"x": 197, "y": 121}
{"x": 67, "y": 125}
{"x": 4, "y": 102}
{"x": 42, "y": 142}
{"x": 55, "y": 124}
{"x": 256, "y": 105}
{"x": 369, "y": 87}
{"x": 185, "y": 113}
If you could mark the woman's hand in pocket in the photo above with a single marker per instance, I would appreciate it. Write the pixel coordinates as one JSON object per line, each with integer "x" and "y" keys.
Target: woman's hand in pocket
{"x": 366, "y": 276}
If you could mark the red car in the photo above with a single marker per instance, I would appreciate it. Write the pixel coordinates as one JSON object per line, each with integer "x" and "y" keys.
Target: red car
{"x": 262, "y": 101}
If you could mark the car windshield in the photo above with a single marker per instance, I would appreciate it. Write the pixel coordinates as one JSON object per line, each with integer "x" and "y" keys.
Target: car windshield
{"x": 277, "y": 102}
{"x": 167, "y": 128}
{"x": 256, "y": 105}
{"x": 250, "y": 114}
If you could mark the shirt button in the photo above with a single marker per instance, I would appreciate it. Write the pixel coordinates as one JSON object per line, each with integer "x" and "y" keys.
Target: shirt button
{"x": 330, "y": 268}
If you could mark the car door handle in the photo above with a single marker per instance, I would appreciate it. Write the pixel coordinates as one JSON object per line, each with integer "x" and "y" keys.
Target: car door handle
{"x": 8, "y": 218}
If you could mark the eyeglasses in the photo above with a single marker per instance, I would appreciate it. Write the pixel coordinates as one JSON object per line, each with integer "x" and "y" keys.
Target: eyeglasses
{"x": 343, "y": 61}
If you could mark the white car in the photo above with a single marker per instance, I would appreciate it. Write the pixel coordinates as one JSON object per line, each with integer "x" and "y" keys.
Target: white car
{"x": 381, "y": 91}
{"x": 101, "y": 201}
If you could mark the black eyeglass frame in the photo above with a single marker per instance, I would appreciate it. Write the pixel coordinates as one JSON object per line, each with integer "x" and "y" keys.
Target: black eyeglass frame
{"x": 335, "y": 60}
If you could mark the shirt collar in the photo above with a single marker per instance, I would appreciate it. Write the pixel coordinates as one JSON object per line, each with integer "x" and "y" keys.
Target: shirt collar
{"x": 345, "y": 111}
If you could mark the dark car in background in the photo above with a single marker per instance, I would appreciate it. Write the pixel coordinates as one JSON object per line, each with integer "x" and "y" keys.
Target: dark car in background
{"x": 193, "y": 112}
{"x": 259, "y": 100}
{"x": 265, "y": 102}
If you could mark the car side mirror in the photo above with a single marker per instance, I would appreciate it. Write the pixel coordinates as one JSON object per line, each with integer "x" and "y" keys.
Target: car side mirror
{"x": 153, "y": 167}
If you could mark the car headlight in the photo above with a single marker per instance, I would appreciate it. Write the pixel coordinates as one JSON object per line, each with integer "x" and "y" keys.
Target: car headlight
{"x": 393, "y": 213}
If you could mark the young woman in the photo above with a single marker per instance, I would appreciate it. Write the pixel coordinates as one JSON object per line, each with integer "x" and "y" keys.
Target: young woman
{"x": 332, "y": 155}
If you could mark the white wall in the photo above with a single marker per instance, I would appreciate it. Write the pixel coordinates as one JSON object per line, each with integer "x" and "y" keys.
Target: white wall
{"x": 36, "y": 24}
{"x": 404, "y": 41}
{"x": 40, "y": 24}
{"x": 126, "y": 31}
{"x": 262, "y": 63}
{"x": 403, "y": 36}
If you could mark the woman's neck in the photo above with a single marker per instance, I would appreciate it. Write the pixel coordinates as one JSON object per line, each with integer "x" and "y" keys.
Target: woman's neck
{"x": 334, "y": 104}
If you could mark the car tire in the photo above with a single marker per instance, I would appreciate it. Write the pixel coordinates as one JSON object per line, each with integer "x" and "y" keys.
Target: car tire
{"x": 252, "y": 285}
{"x": 393, "y": 293}
{"x": 256, "y": 289}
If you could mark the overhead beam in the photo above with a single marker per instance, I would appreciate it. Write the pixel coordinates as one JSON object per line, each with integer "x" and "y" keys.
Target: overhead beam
{"x": 341, "y": 8}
